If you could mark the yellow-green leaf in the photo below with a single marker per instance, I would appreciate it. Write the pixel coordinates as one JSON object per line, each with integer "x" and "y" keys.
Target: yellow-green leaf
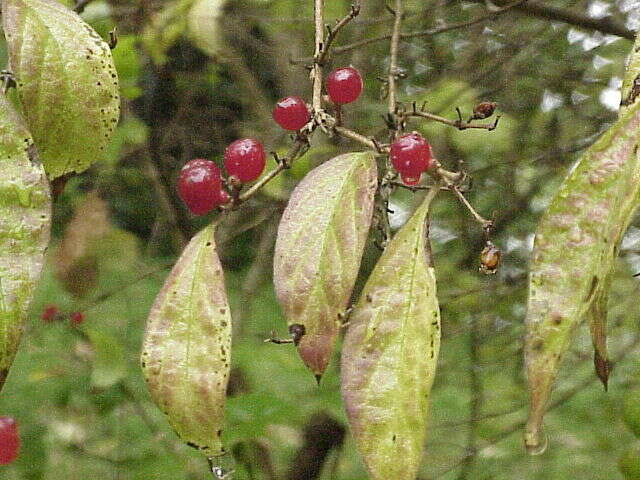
{"x": 574, "y": 252}
{"x": 66, "y": 81}
{"x": 318, "y": 250}
{"x": 25, "y": 219}
{"x": 390, "y": 354}
{"x": 186, "y": 352}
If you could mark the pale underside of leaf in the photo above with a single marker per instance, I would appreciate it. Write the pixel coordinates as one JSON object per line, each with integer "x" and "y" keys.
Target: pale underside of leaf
{"x": 319, "y": 247}
{"x": 573, "y": 258}
{"x": 186, "y": 351}
{"x": 390, "y": 354}
{"x": 66, "y": 81}
{"x": 25, "y": 220}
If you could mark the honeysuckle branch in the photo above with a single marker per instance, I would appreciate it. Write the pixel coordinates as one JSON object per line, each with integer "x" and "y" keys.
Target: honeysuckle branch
{"x": 298, "y": 149}
{"x": 419, "y": 33}
{"x": 392, "y": 75}
{"x": 459, "y": 124}
{"x": 318, "y": 15}
{"x": 333, "y": 31}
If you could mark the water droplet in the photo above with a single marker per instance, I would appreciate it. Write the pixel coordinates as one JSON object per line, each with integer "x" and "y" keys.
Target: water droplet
{"x": 538, "y": 446}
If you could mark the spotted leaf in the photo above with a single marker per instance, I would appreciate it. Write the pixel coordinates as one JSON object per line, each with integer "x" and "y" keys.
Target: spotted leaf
{"x": 186, "y": 351}
{"x": 390, "y": 353}
{"x": 574, "y": 251}
{"x": 66, "y": 81}
{"x": 25, "y": 219}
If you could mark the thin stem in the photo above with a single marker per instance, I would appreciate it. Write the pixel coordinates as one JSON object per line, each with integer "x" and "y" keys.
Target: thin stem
{"x": 350, "y": 134}
{"x": 486, "y": 224}
{"x": 421, "y": 33}
{"x": 284, "y": 163}
{"x": 459, "y": 124}
{"x": 318, "y": 15}
{"x": 393, "y": 63}
{"x": 333, "y": 31}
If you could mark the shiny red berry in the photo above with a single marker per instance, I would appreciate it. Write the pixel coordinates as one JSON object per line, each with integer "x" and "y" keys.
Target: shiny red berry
{"x": 49, "y": 313}
{"x": 199, "y": 186}
{"x": 245, "y": 159}
{"x": 291, "y": 113}
{"x": 344, "y": 85}
{"x": 411, "y": 154}
{"x": 9, "y": 440}
{"x": 76, "y": 318}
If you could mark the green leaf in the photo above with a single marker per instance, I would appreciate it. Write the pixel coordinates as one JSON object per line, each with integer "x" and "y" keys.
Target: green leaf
{"x": 109, "y": 366}
{"x": 25, "y": 220}
{"x": 390, "y": 354}
{"x": 574, "y": 253}
{"x": 319, "y": 246}
{"x": 66, "y": 81}
{"x": 187, "y": 342}
{"x": 165, "y": 28}
{"x": 204, "y": 25}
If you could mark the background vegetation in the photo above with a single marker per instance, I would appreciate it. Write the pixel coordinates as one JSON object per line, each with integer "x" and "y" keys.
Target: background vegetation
{"x": 77, "y": 392}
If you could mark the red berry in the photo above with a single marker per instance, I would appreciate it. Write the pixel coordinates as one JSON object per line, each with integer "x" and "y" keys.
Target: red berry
{"x": 411, "y": 154}
{"x": 410, "y": 179}
{"x": 291, "y": 113}
{"x": 245, "y": 159}
{"x": 50, "y": 313}
{"x": 9, "y": 440}
{"x": 199, "y": 186}
{"x": 76, "y": 318}
{"x": 344, "y": 85}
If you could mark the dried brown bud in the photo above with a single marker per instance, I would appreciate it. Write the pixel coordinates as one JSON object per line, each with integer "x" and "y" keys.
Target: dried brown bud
{"x": 297, "y": 331}
{"x": 483, "y": 110}
{"x": 489, "y": 259}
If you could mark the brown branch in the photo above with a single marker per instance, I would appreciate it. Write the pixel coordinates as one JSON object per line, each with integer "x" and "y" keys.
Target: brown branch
{"x": 429, "y": 32}
{"x": 333, "y": 31}
{"x": 316, "y": 74}
{"x": 459, "y": 124}
{"x": 393, "y": 63}
{"x": 604, "y": 25}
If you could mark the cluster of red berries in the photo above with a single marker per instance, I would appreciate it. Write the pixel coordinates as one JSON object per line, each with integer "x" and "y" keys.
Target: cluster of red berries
{"x": 200, "y": 184}
{"x": 411, "y": 156}
{"x": 344, "y": 85}
{"x": 9, "y": 440}
{"x": 50, "y": 313}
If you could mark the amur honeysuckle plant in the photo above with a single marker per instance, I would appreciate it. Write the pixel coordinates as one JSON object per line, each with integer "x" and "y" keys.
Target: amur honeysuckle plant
{"x": 62, "y": 115}
{"x": 392, "y": 330}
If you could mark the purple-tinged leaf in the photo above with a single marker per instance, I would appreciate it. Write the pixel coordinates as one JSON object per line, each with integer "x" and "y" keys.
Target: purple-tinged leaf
{"x": 318, "y": 251}
{"x": 575, "y": 247}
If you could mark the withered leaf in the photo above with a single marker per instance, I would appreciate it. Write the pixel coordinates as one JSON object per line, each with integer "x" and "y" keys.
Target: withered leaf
{"x": 574, "y": 253}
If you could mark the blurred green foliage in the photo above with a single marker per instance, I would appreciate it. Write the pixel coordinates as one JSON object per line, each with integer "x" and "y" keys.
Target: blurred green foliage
{"x": 77, "y": 392}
